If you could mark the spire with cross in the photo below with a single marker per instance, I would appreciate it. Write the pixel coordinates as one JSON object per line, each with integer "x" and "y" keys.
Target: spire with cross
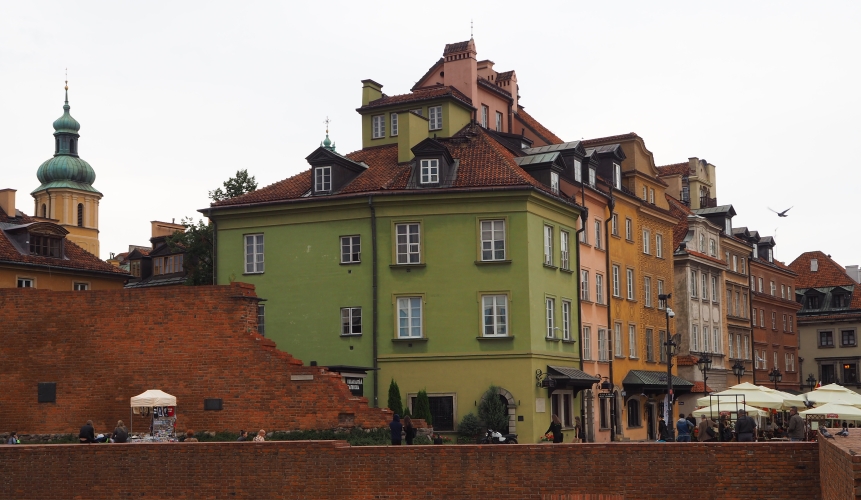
{"x": 327, "y": 144}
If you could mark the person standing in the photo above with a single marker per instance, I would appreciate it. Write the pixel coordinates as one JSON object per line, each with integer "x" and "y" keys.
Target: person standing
{"x": 796, "y": 425}
{"x": 260, "y": 437}
{"x": 579, "y": 435}
{"x": 745, "y": 428}
{"x": 88, "y": 433}
{"x": 121, "y": 434}
{"x": 555, "y": 428}
{"x": 683, "y": 429}
{"x": 705, "y": 430}
{"x": 663, "y": 432}
{"x": 409, "y": 430}
{"x": 396, "y": 428}
{"x": 13, "y": 438}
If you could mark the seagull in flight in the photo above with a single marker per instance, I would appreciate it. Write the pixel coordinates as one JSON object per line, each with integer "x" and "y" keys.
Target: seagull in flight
{"x": 781, "y": 214}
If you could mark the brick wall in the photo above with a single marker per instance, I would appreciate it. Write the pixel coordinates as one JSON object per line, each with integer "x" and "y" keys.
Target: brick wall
{"x": 840, "y": 466}
{"x": 103, "y": 347}
{"x": 334, "y": 470}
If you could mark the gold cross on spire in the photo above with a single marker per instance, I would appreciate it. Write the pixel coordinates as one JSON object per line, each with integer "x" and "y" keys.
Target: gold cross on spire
{"x": 326, "y": 121}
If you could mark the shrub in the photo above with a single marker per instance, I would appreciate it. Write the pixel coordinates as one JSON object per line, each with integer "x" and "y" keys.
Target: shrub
{"x": 492, "y": 412}
{"x": 469, "y": 427}
{"x": 395, "y": 403}
{"x": 422, "y": 407}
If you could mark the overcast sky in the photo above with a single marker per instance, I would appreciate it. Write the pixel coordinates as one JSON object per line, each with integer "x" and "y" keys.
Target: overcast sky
{"x": 174, "y": 97}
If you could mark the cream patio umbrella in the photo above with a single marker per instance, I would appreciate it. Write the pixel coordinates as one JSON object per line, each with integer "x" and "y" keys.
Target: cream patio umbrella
{"x": 745, "y": 393}
{"x": 826, "y": 394}
{"x": 835, "y": 410}
{"x": 715, "y": 410}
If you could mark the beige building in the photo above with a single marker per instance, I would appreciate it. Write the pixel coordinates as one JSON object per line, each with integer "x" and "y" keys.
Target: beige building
{"x": 694, "y": 183}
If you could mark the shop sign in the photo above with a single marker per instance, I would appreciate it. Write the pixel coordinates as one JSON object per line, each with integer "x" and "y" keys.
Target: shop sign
{"x": 356, "y": 385}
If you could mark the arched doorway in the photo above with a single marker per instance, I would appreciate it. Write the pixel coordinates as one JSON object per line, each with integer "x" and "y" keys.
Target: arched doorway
{"x": 510, "y": 403}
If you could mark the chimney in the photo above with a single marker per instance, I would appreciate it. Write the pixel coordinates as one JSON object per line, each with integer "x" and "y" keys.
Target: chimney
{"x": 461, "y": 68}
{"x": 7, "y": 201}
{"x": 854, "y": 272}
{"x": 371, "y": 91}
{"x": 412, "y": 129}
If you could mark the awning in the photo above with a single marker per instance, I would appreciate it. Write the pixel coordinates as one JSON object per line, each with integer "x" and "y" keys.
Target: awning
{"x": 571, "y": 377}
{"x": 654, "y": 382}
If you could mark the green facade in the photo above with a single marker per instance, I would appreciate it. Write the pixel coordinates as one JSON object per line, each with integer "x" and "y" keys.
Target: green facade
{"x": 305, "y": 286}
{"x": 455, "y": 116}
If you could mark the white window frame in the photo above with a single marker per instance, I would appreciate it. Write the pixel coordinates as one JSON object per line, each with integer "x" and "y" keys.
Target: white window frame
{"x": 647, "y": 288}
{"x": 564, "y": 252}
{"x": 26, "y": 282}
{"x": 406, "y": 310}
{"x": 617, "y": 286}
{"x": 773, "y": 289}
{"x": 647, "y": 242}
{"x": 498, "y": 307}
{"x": 782, "y": 291}
{"x": 554, "y": 182}
{"x": 632, "y": 341}
{"x": 730, "y": 346}
{"x": 254, "y": 263}
{"x": 705, "y": 288}
{"x": 651, "y": 196}
{"x": 566, "y": 321}
{"x": 695, "y": 338}
{"x": 716, "y": 339}
{"x": 603, "y": 352}
{"x": 706, "y": 339}
{"x": 82, "y": 287}
{"x": 629, "y": 274}
{"x": 562, "y": 405}
{"x": 715, "y": 295}
{"x": 548, "y": 245}
{"x": 591, "y": 176}
{"x": 492, "y": 240}
{"x": 578, "y": 170}
{"x": 435, "y": 117}
{"x": 584, "y": 285}
{"x": 485, "y": 112}
{"x": 550, "y": 316}
{"x": 429, "y": 171}
{"x": 323, "y": 179}
{"x": 617, "y": 339}
{"x": 746, "y": 347}
{"x": 661, "y": 303}
{"x": 394, "y": 125}
{"x": 645, "y": 194}
{"x": 587, "y": 343}
{"x": 614, "y": 224}
{"x": 353, "y": 246}
{"x": 617, "y": 176}
{"x": 498, "y": 121}
{"x": 629, "y": 229}
{"x": 378, "y": 126}
{"x": 659, "y": 244}
{"x": 408, "y": 251}
{"x": 599, "y": 288}
{"x": 598, "y": 239}
{"x": 349, "y": 314}
{"x": 694, "y": 284}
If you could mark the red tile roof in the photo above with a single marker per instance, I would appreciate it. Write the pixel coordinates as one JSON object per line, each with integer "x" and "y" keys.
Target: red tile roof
{"x": 690, "y": 360}
{"x": 76, "y": 257}
{"x": 455, "y": 47}
{"x": 674, "y": 169}
{"x": 680, "y": 211}
{"x": 698, "y": 387}
{"x": 525, "y": 118}
{"x": 612, "y": 138}
{"x": 420, "y": 94}
{"x": 483, "y": 162}
{"x": 829, "y": 273}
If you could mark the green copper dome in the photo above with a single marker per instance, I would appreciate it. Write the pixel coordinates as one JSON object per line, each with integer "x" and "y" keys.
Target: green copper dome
{"x": 65, "y": 123}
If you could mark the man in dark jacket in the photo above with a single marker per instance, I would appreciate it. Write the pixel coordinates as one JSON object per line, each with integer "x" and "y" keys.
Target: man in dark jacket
{"x": 396, "y": 428}
{"x": 745, "y": 428}
{"x": 796, "y": 425}
{"x": 88, "y": 433}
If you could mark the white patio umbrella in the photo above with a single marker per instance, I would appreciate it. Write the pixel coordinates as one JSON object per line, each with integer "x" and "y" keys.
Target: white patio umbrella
{"x": 835, "y": 410}
{"x": 715, "y": 410}
{"x": 827, "y": 394}
{"x": 746, "y": 393}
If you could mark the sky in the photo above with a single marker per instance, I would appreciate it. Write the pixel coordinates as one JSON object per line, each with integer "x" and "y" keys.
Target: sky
{"x": 174, "y": 97}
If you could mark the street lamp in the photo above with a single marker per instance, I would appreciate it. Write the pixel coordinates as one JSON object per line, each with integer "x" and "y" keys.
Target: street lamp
{"x": 703, "y": 364}
{"x": 775, "y": 376}
{"x": 738, "y": 370}
{"x": 670, "y": 344}
{"x": 811, "y": 381}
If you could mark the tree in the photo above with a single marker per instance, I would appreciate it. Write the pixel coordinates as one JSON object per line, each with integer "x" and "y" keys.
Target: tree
{"x": 422, "y": 407}
{"x": 470, "y": 426}
{"x": 395, "y": 398}
{"x": 235, "y": 186}
{"x": 492, "y": 412}
{"x": 196, "y": 242}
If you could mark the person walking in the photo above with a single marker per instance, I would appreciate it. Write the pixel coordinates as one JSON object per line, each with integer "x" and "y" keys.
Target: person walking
{"x": 693, "y": 421}
{"x": 579, "y": 434}
{"x": 13, "y": 438}
{"x": 121, "y": 434}
{"x": 796, "y": 425}
{"x": 88, "y": 433}
{"x": 409, "y": 430}
{"x": 396, "y": 428}
{"x": 663, "y": 432}
{"x": 745, "y": 428}
{"x": 705, "y": 430}
{"x": 683, "y": 429}
{"x": 555, "y": 428}
{"x": 260, "y": 437}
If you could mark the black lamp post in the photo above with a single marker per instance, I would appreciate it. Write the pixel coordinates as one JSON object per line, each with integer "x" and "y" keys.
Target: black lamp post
{"x": 670, "y": 345}
{"x": 703, "y": 364}
{"x": 775, "y": 376}
{"x": 738, "y": 370}
{"x": 811, "y": 381}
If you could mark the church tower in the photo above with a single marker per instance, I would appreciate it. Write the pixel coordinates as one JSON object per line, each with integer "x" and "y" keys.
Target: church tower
{"x": 67, "y": 193}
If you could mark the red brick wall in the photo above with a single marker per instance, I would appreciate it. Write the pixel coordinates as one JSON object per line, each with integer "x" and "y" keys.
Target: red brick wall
{"x": 840, "y": 466}
{"x": 334, "y": 470}
{"x": 103, "y": 347}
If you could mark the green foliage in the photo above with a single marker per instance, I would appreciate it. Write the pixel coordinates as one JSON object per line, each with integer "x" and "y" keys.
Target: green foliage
{"x": 492, "y": 412}
{"x": 196, "y": 242}
{"x": 235, "y": 186}
{"x": 470, "y": 427}
{"x": 395, "y": 403}
{"x": 422, "y": 407}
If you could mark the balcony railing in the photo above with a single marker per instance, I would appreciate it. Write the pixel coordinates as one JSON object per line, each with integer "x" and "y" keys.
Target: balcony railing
{"x": 706, "y": 202}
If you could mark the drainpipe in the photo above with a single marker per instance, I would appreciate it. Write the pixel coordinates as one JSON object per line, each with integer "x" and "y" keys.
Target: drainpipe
{"x": 611, "y": 204}
{"x": 583, "y": 215}
{"x": 374, "y": 314}
{"x": 214, "y": 252}
{"x": 752, "y": 313}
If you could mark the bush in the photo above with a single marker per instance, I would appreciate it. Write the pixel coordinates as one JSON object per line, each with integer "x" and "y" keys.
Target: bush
{"x": 469, "y": 427}
{"x": 395, "y": 403}
{"x": 492, "y": 412}
{"x": 422, "y": 407}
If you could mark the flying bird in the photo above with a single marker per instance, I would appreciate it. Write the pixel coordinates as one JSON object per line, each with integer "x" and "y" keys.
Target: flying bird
{"x": 825, "y": 433}
{"x": 781, "y": 214}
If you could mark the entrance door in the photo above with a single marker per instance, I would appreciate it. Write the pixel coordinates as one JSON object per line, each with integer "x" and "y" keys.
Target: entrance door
{"x": 650, "y": 421}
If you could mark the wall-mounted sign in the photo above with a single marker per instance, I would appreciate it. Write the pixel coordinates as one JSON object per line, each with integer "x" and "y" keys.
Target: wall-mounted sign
{"x": 605, "y": 395}
{"x": 356, "y": 385}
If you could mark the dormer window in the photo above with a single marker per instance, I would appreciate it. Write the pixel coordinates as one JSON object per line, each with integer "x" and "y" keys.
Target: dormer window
{"x": 755, "y": 252}
{"x": 813, "y": 302}
{"x": 554, "y": 182}
{"x": 617, "y": 176}
{"x": 323, "y": 179}
{"x": 578, "y": 171}
{"x": 727, "y": 226}
{"x": 430, "y": 171}
{"x": 770, "y": 255}
{"x": 592, "y": 176}
{"x": 839, "y": 300}
{"x": 46, "y": 246}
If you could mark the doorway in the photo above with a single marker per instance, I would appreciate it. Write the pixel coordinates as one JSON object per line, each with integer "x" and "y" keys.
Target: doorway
{"x": 650, "y": 421}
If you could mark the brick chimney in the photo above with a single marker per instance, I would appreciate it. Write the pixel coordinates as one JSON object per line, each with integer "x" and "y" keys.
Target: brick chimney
{"x": 7, "y": 201}
{"x": 461, "y": 68}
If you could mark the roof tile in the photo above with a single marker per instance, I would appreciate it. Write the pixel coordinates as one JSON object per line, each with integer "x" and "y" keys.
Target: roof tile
{"x": 829, "y": 273}
{"x": 674, "y": 169}
{"x": 420, "y": 94}
{"x": 539, "y": 129}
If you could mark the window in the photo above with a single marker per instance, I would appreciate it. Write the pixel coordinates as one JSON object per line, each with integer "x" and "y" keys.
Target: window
{"x": 702, "y": 243}
{"x": 351, "y": 320}
{"x": 564, "y": 252}
{"x": 735, "y": 263}
{"x": 760, "y": 284}
{"x": 773, "y": 320}
{"x": 705, "y": 288}
{"x": 762, "y": 318}
{"x": 603, "y": 352}
{"x": 839, "y": 300}
{"x": 634, "y": 413}
{"x": 45, "y": 246}
{"x": 351, "y": 249}
{"x": 650, "y": 345}
{"x": 756, "y": 358}
{"x": 630, "y": 276}
{"x": 587, "y": 343}
{"x": 566, "y": 324}
{"x": 651, "y": 196}
{"x": 784, "y": 323}
{"x": 604, "y": 413}
{"x": 492, "y": 240}
{"x": 561, "y": 405}
{"x": 44, "y": 211}
{"x": 429, "y": 172}
{"x": 632, "y": 341}
{"x": 584, "y": 285}
{"x": 554, "y": 182}
{"x": 744, "y": 306}
{"x": 706, "y": 339}
{"x": 26, "y": 283}
{"x": 850, "y": 373}
{"x": 790, "y": 323}
{"x": 578, "y": 170}
{"x": 599, "y": 288}
{"x": 847, "y": 338}
{"x": 166, "y": 265}
{"x": 548, "y": 245}
{"x": 394, "y": 124}
{"x": 786, "y": 364}
{"x": 813, "y": 302}
{"x": 584, "y": 235}
{"x": 716, "y": 338}
{"x": 647, "y": 241}
{"x": 695, "y": 338}
{"x": 551, "y": 318}
{"x": 782, "y": 291}
{"x": 592, "y": 176}
{"x": 408, "y": 243}
{"x": 441, "y": 410}
{"x": 826, "y": 339}
{"x": 135, "y": 268}
{"x": 713, "y": 247}
{"x": 662, "y": 348}
{"x": 659, "y": 246}
{"x": 694, "y": 284}
{"x": 647, "y": 289}
{"x": 485, "y": 111}
{"x": 746, "y": 347}
{"x": 773, "y": 289}
{"x": 253, "y": 253}
{"x": 498, "y": 121}
{"x": 495, "y": 314}
{"x": 617, "y": 176}
{"x": 715, "y": 296}
{"x": 616, "y": 288}
{"x": 730, "y": 346}
{"x": 417, "y": 111}
{"x": 597, "y": 234}
{"x": 409, "y": 317}
{"x": 629, "y": 230}
{"x": 774, "y": 365}
{"x": 80, "y": 215}
{"x": 379, "y": 126}
{"x": 737, "y": 305}
{"x": 80, "y": 286}
{"x": 261, "y": 319}
{"x": 614, "y": 224}
{"x": 662, "y": 303}
{"x": 617, "y": 339}
{"x": 435, "y": 117}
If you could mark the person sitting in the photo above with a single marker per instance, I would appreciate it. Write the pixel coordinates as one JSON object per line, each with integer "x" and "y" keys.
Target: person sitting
{"x": 88, "y": 433}
{"x": 121, "y": 434}
{"x": 189, "y": 437}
